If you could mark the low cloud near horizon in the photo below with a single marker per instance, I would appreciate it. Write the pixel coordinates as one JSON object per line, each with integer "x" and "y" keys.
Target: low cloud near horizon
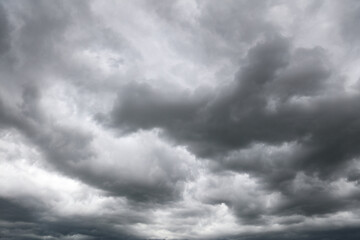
{"x": 180, "y": 119}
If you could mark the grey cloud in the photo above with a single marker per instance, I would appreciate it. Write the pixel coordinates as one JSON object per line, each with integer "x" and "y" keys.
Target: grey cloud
{"x": 33, "y": 218}
{"x": 346, "y": 233}
{"x": 326, "y": 130}
{"x": 213, "y": 32}
{"x": 140, "y": 105}
{"x": 287, "y": 120}
{"x": 349, "y": 17}
{"x": 66, "y": 148}
{"x": 75, "y": 228}
{"x": 13, "y": 212}
{"x": 214, "y": 120}
{"x": 4, "y": 31}
{"x": 240, "y": 117}
{"x": 306, "y": 76}
{"x": 69, "y": 150}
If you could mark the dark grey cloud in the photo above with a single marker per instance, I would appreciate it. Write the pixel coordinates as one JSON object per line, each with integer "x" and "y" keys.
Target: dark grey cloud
{"x": 25, "y": 222}
{"x": 347, "y": 233}
{"x": 5, "y": 32}
{"x": 280, "y": 94}
{"x": 234, "y": 117}
{"x": 214, "y": 119}
{"x": 12, "y": 211}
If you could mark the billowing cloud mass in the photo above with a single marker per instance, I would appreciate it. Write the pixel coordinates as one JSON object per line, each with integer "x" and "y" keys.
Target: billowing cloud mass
{"x": 180, "y": 119}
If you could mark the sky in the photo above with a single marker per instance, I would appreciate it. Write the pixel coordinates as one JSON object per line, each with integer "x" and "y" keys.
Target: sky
{"x": 184, "y": 119}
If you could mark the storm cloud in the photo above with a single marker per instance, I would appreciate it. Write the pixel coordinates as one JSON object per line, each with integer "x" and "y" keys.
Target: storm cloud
{"x": 179, "y": 119}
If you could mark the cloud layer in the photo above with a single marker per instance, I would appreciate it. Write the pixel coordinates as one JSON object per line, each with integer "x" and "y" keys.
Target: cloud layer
{"x": 179, "y": 119}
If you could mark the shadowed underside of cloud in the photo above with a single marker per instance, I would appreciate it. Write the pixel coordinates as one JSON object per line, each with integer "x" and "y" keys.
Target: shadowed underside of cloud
{"x": 280, "y": 95}
{"x": 277, "y": 97}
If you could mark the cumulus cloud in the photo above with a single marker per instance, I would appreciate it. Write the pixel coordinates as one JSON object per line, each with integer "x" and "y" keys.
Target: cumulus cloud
{"x": 179, "y": 119}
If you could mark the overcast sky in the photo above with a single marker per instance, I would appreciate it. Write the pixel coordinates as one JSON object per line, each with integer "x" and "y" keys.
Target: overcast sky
{"x": 209, "y": 119}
